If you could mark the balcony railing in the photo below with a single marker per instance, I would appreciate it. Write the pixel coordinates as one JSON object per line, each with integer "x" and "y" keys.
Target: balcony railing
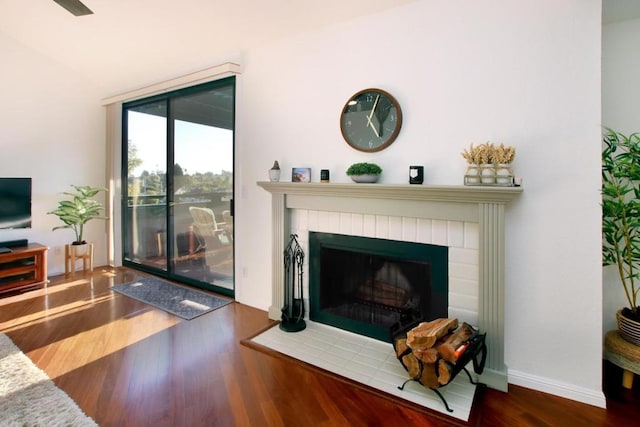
{"x": 146, "y": 221}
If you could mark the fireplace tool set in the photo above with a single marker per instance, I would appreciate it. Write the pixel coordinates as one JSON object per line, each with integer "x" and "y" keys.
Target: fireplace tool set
{"x": 293, "y": 309}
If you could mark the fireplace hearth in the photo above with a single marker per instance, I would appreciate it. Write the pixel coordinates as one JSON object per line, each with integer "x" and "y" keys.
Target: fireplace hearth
{"x": 366, "y": 285}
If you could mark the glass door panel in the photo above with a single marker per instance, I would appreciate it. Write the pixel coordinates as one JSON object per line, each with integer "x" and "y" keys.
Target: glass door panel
{"x": 203, "y": 187}
{"x": 145, "y": 207}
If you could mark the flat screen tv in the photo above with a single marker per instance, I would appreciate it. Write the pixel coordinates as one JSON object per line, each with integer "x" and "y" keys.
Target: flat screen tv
{"x": 15, "y": 203}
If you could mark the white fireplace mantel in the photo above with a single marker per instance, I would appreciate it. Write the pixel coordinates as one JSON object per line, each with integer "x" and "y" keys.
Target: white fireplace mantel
{"x": 480, "y": 204}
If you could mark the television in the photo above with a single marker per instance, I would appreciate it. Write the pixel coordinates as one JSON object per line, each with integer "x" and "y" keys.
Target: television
{"x": 15, "y": 203}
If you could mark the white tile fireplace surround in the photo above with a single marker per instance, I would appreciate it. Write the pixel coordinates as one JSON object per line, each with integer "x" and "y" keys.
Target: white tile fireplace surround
{"x": 469, "y": 220}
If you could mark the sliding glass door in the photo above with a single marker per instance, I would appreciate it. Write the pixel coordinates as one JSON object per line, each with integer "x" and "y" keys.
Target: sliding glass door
{"x": 178, "y": 208}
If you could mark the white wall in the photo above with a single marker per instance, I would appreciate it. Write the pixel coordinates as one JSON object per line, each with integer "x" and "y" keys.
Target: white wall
{"x": 52, "y": 131}
{"x": 621, "y": 112}
{"x": 524, "y": 73}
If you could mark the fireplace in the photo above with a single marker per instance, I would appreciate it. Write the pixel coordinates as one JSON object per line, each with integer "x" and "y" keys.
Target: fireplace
{"x": 468, "y": 219}
{"x": 366, "y": 285}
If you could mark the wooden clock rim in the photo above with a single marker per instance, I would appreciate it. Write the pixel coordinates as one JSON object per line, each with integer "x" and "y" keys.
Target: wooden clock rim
{"x": 396, "y": 129}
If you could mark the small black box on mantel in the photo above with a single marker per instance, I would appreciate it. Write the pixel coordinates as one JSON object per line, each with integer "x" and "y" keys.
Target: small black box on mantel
{"x": 416, "y": 174}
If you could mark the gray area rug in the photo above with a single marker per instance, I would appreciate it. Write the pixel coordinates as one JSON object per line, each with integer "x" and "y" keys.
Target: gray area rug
{"x": 28, "y": 397}
{"x": 179, "y": 300}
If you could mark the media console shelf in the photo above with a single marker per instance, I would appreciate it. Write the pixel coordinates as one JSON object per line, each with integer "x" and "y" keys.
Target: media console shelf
{"x": 23, "y": 267}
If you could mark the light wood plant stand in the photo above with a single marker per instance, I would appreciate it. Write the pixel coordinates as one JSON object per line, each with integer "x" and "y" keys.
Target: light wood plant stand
{"x": 623, "y": 354}
{"x": 73, "y": 253}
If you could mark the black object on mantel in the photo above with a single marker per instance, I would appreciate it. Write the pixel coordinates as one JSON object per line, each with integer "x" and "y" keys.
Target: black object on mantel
{"x": 416, "y": 174}
{"x": 293, "y": 309}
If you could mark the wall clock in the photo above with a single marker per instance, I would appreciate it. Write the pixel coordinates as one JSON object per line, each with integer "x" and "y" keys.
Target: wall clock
{"x": 371, "y": 120}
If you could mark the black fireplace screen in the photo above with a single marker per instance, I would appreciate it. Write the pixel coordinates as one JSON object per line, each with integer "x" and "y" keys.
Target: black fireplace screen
{"x": 366, "y": 285}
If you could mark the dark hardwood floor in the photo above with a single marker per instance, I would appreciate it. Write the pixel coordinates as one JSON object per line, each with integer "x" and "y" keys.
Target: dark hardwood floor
{"x": 128, "y": 364}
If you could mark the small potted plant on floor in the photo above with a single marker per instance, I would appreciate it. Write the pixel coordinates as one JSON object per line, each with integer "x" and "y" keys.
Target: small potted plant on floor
{"x": 621, "y": 222}
{"x": 75, "y": 213}
{"x": 364, "y": 172}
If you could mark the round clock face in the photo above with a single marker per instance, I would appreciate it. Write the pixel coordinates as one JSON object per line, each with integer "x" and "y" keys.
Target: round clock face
{"x": 371, "y": 120}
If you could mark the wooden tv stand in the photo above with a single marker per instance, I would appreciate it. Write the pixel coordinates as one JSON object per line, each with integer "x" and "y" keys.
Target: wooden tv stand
{"x": 23, "y": 267}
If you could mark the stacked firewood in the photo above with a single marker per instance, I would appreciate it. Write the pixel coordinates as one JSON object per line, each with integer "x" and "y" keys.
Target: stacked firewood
{"x": 430, "y": 351}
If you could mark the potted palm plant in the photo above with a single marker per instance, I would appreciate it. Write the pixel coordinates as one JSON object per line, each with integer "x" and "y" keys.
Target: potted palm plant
{"x": 364, "y": 172}
{"x": 621, "y": 222}
{"x": 75, "y": 213}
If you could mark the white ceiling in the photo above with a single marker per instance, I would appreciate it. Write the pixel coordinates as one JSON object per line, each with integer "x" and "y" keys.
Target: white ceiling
{"x": 130, "y": 43}
{"x": 126, "y": 44}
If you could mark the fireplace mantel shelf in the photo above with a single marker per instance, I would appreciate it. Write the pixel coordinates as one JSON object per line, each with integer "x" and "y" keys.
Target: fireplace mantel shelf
{"x": 441, "y": 193}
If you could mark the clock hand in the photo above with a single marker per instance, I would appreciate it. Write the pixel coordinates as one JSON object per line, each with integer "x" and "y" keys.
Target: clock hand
{"x": 369, "y": 122}
{"x": 382, "y": 115}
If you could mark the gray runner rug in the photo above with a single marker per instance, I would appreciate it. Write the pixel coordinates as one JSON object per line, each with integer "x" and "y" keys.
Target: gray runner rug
{"x": 28, "y": 397}
{"x": 184, "y": 302}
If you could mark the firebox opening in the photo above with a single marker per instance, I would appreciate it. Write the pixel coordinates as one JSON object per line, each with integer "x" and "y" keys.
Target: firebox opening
{"x": 365, "y": 285}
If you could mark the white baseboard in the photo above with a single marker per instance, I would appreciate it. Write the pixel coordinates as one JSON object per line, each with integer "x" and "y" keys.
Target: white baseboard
{"x": 569, "y": 391}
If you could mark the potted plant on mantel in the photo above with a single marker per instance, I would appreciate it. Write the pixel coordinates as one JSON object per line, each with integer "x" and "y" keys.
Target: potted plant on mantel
{"x": 364, "y": 172}
{"x": 75, "y": 213}
{"x": 621, "y": 222}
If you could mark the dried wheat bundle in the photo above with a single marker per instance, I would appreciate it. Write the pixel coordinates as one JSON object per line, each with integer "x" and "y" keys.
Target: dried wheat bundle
{"x": 504, "y": 154}
{"x": 489, "y": 153}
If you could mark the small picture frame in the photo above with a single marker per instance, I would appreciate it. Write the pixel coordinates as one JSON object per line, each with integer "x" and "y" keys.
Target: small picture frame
{"x": 301, "y": 175}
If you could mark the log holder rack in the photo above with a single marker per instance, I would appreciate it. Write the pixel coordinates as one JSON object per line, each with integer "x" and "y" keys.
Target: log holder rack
{"x": 476, "y": 353}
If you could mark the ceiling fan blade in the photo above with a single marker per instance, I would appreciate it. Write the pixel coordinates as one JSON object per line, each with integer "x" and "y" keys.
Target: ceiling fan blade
{"x": 76, "y": 7}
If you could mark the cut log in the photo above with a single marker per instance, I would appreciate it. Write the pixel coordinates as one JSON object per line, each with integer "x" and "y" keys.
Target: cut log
{"x": 429, "y": 377}
{"x": 444, "y": 372}
{"x": 426, "y": 334}
{"x": 430, "y": 355}
{"x": 400, "y": 345}
{"x": 448, "y": 345}
{"x": 412, "y": 365}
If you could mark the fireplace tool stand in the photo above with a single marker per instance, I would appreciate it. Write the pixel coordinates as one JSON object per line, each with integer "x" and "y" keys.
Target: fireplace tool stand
{"x": 293, "y": 309}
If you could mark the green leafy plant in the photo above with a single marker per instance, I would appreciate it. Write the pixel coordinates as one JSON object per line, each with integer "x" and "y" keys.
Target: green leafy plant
{"x": 75, "y": 213}
{"x": 621, "y": 212}
{"x": 364, "y": 169}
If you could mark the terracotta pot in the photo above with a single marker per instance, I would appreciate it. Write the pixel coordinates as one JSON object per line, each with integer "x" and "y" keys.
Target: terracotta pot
{"x": 629, "y": 329}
